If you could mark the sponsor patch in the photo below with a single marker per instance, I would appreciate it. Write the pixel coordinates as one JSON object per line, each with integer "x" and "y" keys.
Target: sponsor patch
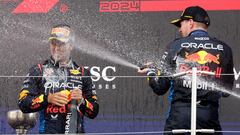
{"x": 75, "y": 72}
{"x": 202, "y": 57}
{"x": 23, "y": 94}
{"x": 38, "y": 100}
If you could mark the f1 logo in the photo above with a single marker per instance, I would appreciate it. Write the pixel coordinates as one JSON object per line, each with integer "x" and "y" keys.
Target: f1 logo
{"x": 35, "y": 6}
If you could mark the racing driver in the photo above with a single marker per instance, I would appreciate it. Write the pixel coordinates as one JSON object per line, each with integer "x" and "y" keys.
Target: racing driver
{"x": 61, "y": 90}
{"x": 195, "y": 49}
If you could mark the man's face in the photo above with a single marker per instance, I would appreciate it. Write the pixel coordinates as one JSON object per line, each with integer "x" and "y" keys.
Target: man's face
{"x": 60, "y": 51}
{"x": 185, "y": 28}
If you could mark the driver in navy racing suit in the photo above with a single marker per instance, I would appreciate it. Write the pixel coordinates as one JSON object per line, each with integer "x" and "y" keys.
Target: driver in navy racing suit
{"x": 50, "y": 87}
{"x": 195, "y": 49}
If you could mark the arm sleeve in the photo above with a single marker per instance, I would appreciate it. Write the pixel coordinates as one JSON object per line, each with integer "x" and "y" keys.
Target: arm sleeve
{"x": 31, "y": 96}
{"x": 161, "y": 84}
{"x": 90, "y": 107}
{"x": 228, "y": 78}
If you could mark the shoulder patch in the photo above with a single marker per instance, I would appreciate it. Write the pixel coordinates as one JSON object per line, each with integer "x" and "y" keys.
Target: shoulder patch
{"x": 23, "y": 94}
{"x": 75, "y": 72}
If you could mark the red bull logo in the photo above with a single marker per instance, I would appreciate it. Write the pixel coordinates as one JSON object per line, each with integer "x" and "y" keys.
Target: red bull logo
{"x": 37, "y": 100}
{"x": 202, "y": 57}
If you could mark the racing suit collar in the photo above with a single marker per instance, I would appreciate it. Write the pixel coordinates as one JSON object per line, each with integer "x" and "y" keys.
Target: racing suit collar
{"x": 198, "y": 33}
{"x": 69, "y": 64}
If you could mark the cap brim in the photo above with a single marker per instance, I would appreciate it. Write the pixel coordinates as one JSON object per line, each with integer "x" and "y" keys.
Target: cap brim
{"x": 176, "y": 22}
{"x": 64, "y": 40}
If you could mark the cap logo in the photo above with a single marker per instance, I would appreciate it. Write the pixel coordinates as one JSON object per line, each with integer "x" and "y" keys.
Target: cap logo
{"x": 61, "y": 31}
{"x": 187, "y": 16}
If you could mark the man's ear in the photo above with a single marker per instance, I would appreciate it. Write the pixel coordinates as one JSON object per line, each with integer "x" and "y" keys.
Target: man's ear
{"x": 191, "y": 23}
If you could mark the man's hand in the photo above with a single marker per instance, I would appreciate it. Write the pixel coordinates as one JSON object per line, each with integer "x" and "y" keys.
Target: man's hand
{"x": 63, "y": 97}
{"x": 145, "y": 68}
{"x": 148, "y": 69}
{"x": 58, "y": 98}
{"x": 76, "y": 93}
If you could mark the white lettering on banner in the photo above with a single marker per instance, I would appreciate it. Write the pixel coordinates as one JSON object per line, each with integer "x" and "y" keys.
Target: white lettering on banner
{"x": 104, "y": 73}
{"x": 201, "y": 45}
{"x": 236, "y": 75}
{"x": 106, "y": 86}
{"x": 237, "y": 85}
{"x": 97, "y": 73}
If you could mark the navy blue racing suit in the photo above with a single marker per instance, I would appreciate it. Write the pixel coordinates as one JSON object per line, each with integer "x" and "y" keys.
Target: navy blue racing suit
{"x": 206, "y": 54}
{"x": 49, "y": 77}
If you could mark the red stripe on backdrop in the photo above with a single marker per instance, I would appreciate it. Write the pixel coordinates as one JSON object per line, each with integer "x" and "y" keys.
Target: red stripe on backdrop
{"x": 179, "y": 5}
{"x": 35, "y": 6}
